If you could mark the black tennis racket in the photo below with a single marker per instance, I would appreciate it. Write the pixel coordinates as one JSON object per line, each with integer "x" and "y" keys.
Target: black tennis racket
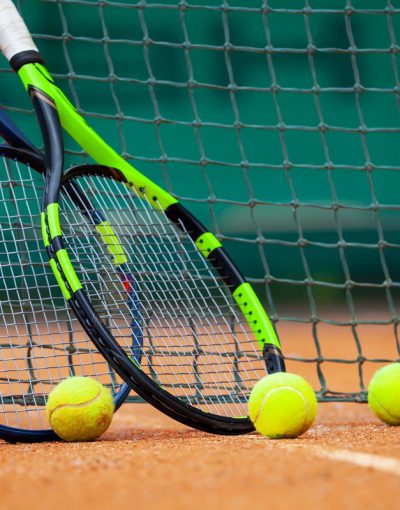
{"x": 206, "y": 338}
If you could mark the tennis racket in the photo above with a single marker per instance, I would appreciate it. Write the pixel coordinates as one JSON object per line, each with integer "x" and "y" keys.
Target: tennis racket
{"x": 206, "y": 338}
{"x": 41, "y": 341}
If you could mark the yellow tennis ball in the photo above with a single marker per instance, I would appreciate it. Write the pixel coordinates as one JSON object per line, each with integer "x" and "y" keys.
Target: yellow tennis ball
{"x": 80, "y": 409}
{"x": 282, "y": 405}
{"x": 384, "y": 394}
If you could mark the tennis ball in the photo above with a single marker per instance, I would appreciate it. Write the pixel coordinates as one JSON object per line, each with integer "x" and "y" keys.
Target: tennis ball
{"x": 79, "y": 409}
{"x": 384, "y": 394}
{"x": 282, "y": 405}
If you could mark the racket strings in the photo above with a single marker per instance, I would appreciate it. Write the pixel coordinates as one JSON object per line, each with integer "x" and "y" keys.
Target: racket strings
{"x": 194, "y": 340}
{"x": 41, "y": 342}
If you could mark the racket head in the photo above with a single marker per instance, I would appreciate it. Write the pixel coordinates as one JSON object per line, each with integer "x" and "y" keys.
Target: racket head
{"x": 41, "y": 340}
{"x": 200, "y": 355}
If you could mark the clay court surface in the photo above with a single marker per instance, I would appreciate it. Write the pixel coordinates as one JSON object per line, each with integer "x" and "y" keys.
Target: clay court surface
{"x": 347, "y": 460}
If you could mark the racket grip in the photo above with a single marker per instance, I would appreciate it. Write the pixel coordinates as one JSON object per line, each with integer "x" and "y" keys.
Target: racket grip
{"x": 14, "y": 34}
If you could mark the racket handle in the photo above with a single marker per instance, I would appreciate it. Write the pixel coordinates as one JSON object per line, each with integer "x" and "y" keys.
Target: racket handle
{"x": 14, "y": 35}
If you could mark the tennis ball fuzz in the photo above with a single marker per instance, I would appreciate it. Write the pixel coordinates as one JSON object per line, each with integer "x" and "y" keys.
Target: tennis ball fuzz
{"x": 384, "y": 394}
{"x": 79, "y": 409}
{"x": 282, "y": 405}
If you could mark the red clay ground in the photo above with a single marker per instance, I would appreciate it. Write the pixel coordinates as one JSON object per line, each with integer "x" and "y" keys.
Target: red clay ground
{"x": 348, "y": 460}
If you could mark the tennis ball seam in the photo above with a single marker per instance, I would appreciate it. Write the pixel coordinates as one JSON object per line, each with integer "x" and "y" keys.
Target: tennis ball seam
{"x": 274, "y": 390}
{"x": 82, "y": 404}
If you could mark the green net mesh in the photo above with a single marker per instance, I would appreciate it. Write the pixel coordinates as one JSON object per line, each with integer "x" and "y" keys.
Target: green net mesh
{"x": 277, "y": 123}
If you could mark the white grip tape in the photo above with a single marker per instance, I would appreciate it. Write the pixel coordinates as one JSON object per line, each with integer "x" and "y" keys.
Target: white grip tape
{"x": 14, "y": 35}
